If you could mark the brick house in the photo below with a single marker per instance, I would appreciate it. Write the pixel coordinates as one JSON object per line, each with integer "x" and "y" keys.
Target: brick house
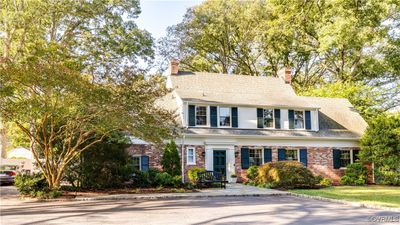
{"x": 234, "y": 121}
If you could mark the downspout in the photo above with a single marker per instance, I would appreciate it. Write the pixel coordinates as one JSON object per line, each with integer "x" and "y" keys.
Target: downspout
{"x": 183, "y": 157}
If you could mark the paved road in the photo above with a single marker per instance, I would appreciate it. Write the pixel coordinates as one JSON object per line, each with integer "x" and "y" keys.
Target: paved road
{"x": 216, "y": 210}
{"x": 8, "y": 192}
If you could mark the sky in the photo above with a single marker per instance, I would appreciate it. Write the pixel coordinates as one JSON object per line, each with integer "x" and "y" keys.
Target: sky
{"x": 157, "y": 15}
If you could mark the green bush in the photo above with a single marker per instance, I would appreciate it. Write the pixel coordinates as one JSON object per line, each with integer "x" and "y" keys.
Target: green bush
{"x": 145, "y": 179}
{"x": 286, "y": 174}
{"x": 326, "y": 182}
{"x": 177, "y": 181}
{"x": 252, "y": 173}
{"x": 355, "y": 174}
{"x": 170, "y": 160}
{"x": 387, "y": 176}
{"x": 34, "y": 185}
{"x": 192, "y": 174}
{"x": 164, "y": 179}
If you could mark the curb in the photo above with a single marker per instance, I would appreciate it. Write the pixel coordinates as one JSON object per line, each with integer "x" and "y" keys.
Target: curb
{"x": 345, "y": 202}
{"x": 132, "y": 197}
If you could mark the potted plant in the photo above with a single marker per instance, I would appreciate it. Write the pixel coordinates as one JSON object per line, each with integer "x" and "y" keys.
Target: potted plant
{"x": 234, "y": 178}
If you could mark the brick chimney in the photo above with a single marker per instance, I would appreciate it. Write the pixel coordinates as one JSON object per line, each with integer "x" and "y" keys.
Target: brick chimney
{"x": 286, "y": 74}
{"x": 174, "y": 67}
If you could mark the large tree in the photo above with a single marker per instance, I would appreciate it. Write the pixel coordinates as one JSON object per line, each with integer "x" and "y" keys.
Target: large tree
{"x": 322, "y": 41}
{"x": 68, "y": 77}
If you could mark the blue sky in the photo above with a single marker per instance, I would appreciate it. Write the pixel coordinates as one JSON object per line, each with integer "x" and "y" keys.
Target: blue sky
{"x": 157, "y": 15}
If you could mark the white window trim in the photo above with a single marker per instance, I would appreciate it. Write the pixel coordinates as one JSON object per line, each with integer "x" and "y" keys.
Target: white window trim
{"x": 140, "y": 161}
{"x": 219, "y": 116}
{"x": 304, "y": 119}
{"x": 187, "y": 156}
{"x": 273, "y": 119}
{"x": 207, "y": 115}
{"x": 262, "y": 153}
{"x": 351, "y": 157}
{"x": 298, "y": 153}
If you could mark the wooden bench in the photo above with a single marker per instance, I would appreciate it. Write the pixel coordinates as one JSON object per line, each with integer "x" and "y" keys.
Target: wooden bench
{"x": 207, "y": 178}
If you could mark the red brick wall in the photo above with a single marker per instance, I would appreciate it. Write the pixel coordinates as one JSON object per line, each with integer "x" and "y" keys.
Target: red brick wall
{"x": 320, "y": 159}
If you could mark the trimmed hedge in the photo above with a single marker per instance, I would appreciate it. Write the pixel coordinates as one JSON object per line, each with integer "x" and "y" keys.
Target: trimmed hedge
{"x": 252, "y": 173}
{"x": 355, "y": 174}
{"x": 285, "y": 174}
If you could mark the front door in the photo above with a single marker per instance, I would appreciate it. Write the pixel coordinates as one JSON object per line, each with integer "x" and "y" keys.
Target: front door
{"x": 220, "y": 161}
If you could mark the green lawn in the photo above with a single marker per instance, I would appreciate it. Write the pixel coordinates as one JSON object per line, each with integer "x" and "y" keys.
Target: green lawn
{"x": 374, "y": 194}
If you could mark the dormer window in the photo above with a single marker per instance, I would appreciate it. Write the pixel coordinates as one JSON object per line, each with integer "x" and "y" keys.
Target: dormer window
{"x": 201, "y": 115}
{"x": 298, "y": 119}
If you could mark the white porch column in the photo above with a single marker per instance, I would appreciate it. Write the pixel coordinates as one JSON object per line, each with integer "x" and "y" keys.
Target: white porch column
{"x": 209, "y": 159}
{"x": 230, "y": 163}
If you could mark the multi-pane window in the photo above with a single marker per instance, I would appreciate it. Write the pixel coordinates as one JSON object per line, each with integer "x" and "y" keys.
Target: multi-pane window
{"x": 268, "y": 118}
{"x": 136, "y": 162}
{"x": 345, "y": 158}
{"x": 291, "y": 155}
{"x": 191, "y": 156}
{"x": 255, "y": 157}
{"x": 298, "y": 119}
{"x": 224, "y": 117}
{"x": 201, "y": 115}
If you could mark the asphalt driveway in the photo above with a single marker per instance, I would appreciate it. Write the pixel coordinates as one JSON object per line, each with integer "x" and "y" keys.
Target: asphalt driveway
{"x": 215, "y": 210}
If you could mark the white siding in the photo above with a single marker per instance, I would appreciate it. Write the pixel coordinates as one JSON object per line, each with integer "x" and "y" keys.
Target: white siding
{"x": 247, "y": 117}
{"x": 284, "y": 119}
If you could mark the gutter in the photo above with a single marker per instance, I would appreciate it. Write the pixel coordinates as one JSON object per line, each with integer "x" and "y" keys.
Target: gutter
{"x": 276, "y": 137}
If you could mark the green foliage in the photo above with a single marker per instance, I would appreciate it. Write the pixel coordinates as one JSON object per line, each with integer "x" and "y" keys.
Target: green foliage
{"x": 164, "y": 179}
{"x": 323, "y": 42}
{"x": 106, "y": 164}
{"x": 192, "y": 173}
{"x": 145, "y": 179}
{"x": 34, "y": 185}
{"x": 252, "y": 173}
{"x": 326, "y": 182}
{"x": 286, "y": 174}
{"x": 386, "y": 175}
{"x": 170, "y": 160}
{"x": 355, "y": 174}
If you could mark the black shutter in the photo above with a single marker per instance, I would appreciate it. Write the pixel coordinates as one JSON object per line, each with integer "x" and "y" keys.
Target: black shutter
{"x": 244, "y": 153}
{"x": 355, "y": 155}
{"x": 267, "y": 155}
{"x": 213, "y": 116}
{"x": 308, "y": 120}
{"x": 291, "y": 119}
{"x": 336, "y": 158}
{"x": 303, "y": 156}
{"x": 144, "y": 163}
{"x": 281, "y": 154}
{"x": 260, "y": 118}
{"x": 277, "y": 114}
{"x": 235, "y": 117}
{"x": 192, "y": 116}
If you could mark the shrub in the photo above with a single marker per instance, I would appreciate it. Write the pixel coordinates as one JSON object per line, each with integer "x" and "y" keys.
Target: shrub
{"x": 355, "y": 174}
{"x": 164, "y": 179}
{"x": 34, "y": 185}
{"x": 252, "y": 173}
{"x": 192, "y": 174}
{"x": 286, "y": 174}
{"x": 386, "y": 175}
{"x": 325, "y": 182}
{"x": 170, "y": 161}
{"x": 145, "y": 179}
{"x": 177, "y": 181}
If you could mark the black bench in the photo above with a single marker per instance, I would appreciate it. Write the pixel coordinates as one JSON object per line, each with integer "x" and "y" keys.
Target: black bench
{"x": 207, "y": 178}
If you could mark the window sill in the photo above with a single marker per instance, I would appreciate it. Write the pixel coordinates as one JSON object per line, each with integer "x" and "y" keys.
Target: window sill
{"x": 190, "y": 164}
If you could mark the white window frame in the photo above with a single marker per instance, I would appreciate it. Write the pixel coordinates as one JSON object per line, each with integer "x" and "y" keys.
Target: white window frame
{"x": 207, "y": 115}
{"x": 304, "y": 119}
{"x": 351, "y": 156}
{"x": 273, "y": 119}
{"x": 298, "y": 153}
{"x": 230, "y": 116}
{"x": 262, "y": 154}
{"x": 140, "y": 161}
{"x": 187, "y": 156}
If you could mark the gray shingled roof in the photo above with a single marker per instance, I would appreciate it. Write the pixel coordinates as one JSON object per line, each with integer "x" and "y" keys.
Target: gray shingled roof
{"x": 337, "y": 117}
{"x": 237, "y": 90}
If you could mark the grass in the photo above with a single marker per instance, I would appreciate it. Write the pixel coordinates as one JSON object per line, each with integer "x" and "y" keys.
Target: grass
{"x": 388, "y": 196}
